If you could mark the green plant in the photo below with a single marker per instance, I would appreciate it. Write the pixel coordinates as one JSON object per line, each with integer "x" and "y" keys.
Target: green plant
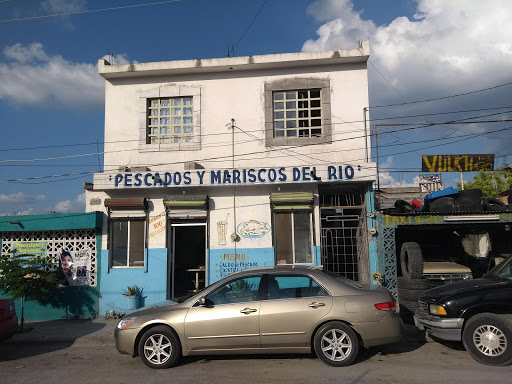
{"x": 131, "y": 291}
{"x": 26, "y": 277}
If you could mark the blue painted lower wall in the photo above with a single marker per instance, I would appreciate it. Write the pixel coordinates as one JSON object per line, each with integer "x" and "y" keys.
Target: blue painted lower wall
{"x": 152, "y": 280}
{"x": 66, "y": 303}
{"x": 223, "y": 262}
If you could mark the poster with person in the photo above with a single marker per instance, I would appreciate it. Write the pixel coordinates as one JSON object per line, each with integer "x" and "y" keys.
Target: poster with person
{"x": 75, "y": 266}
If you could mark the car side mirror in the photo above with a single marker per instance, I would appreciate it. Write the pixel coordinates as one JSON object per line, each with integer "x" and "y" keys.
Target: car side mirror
{"x": 202, "y": 301}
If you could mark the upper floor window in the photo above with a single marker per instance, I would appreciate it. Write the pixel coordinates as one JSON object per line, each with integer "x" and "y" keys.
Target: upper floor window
{"x": 170, "y": 120}
{"x": 298, "y": 113}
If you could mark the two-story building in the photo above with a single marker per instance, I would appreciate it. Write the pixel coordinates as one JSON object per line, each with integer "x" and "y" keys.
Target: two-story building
{"x": 217, "y": 165}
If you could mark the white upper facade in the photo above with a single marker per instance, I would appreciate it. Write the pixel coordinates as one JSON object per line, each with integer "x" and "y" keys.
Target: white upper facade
{"x": 286, "y": 110}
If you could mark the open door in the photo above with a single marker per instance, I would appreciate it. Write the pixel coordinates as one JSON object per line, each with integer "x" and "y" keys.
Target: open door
{"x": 188, "y": 258}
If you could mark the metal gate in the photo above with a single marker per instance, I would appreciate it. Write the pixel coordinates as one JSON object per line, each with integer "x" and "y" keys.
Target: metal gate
{"x": 344, "y": 236}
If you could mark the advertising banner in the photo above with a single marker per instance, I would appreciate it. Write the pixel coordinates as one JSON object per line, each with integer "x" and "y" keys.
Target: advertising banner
{"x": 457, "y": 163}
{"x": 75, "y": 266}
{"x": 33, "y": 250}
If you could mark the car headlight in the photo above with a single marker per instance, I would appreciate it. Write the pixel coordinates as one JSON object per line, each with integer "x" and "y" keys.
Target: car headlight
{"x": 467, "y": 276}
{"x": 125, "y": 322}
{"x": 435, "y": 309}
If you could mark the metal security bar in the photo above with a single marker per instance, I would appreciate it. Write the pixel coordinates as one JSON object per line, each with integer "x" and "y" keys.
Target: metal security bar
{"x": 344, "y": 235}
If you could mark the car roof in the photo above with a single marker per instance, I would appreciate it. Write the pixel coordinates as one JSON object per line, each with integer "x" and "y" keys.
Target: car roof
{"x": 279, "y": 269}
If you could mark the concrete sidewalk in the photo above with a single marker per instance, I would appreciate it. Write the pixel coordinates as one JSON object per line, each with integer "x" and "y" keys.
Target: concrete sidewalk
{"x": 99, "y": 331}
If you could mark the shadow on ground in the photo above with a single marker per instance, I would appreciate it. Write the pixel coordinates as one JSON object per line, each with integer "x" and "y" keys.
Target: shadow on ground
{"x": 411, "y": 340}
{"x": 46, "y": 336}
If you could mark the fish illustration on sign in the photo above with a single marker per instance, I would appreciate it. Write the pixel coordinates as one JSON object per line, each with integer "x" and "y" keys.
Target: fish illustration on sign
{"x": 253, "y": 229}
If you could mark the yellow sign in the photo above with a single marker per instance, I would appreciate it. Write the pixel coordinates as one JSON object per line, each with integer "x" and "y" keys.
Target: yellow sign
{"x": 457, "y": 163}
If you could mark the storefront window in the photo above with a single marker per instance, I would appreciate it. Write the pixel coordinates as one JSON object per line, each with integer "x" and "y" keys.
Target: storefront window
{"x": 127, "y": 242}
{"x": 293, "y": 237}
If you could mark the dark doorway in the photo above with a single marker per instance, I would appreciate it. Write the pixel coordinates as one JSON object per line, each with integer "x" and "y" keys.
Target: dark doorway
{"x": 188, "y": 258}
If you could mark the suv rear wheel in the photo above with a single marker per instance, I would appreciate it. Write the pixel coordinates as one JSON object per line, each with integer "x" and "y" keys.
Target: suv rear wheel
{"x": 488, "y": 338}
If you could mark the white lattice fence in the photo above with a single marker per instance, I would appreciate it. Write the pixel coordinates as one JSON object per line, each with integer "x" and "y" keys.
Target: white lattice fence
{"x": 72, "y": 240}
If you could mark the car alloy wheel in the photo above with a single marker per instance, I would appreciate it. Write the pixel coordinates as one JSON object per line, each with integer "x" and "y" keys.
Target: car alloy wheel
{"x": 336, "y": 344}
{"x": 159, "y": 347}
{"x": 489, "y": 340}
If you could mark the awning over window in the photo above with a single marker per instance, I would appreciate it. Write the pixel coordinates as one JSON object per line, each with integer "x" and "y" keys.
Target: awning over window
{"x": 140, "y": 203}
{"x": 186, "y": 202}
{"x": 291, "y": 200}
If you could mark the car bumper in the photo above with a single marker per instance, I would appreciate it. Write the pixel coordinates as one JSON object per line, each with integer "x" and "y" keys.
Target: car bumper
{"x": 446, "y": 329}
{"x": 125, "y": 340}
{"x": 386, "y": 331}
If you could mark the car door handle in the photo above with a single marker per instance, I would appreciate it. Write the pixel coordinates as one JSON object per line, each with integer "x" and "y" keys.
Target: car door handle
{"x": 246, "y": 311}
{"x": 316, "y": 305}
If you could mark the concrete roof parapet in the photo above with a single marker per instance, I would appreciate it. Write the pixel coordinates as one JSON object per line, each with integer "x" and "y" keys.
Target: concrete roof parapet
{"x": 281, "y": 60}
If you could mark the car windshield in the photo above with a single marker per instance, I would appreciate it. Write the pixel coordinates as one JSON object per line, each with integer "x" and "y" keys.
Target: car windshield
{"x": 344, "y": 279}
{"x": 503, "y": 270}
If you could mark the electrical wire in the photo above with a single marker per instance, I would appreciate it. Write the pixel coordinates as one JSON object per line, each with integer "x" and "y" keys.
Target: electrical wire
{"x": 443, "y": 97}
{"x": 88, "y": 11}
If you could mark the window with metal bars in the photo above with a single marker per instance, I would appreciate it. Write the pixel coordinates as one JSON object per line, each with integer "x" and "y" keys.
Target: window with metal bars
{"x": 297, "y": 113}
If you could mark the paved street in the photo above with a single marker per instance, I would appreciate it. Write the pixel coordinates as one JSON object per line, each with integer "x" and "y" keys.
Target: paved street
{"x": 81, "y": 351}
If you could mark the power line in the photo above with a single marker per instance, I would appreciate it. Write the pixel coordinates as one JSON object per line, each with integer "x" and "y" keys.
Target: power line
{"x": 88, "y": 11}
{"x": 443, "y": 97}
{"x": 229, "y": 156}
{"x": 249, "y": 26}
{"x": 420, "y": 125}
{"x": 259, "y": 130}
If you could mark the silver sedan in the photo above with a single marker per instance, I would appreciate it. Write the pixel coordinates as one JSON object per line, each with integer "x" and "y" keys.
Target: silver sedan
{"x": 263, "y": 311}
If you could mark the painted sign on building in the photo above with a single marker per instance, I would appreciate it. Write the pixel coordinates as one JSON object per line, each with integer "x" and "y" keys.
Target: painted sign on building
{"x": 27, "y": 250}
{"x": 242, "y": 176}
{"x": 457, "y": 163}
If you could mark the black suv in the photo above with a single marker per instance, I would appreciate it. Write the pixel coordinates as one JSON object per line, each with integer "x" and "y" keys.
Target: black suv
{"x": 478, "y": 312}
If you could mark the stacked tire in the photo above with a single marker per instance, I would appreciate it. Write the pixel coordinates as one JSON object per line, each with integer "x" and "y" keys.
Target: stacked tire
{"x": 469, "y": 200}
{"x": 412, "y": 283}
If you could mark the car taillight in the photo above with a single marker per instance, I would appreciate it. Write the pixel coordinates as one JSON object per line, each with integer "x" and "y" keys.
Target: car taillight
{"x": 388, "y": 306}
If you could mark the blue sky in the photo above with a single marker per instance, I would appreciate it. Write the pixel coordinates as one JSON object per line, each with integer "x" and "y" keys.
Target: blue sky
{"x": 51, "y": 97}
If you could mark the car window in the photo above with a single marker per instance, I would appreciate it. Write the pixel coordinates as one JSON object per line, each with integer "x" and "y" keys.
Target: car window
{"x": 236, "y": 291}
{"x": 502, "y": 270}
{"x": 291, "y": 287}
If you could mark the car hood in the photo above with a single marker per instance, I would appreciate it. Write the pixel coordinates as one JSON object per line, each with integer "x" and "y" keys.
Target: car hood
{"x": 154, "y": 308}
{"x": 444, "y": 267}
{"x": 463, "y": 288}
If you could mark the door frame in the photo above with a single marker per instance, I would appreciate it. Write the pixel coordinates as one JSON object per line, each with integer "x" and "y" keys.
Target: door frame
{"x": 173, "y": 248}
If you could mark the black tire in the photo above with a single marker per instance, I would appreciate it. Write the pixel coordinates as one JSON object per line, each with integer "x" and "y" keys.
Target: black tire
{"x": 494, "y": 205}
{"x": 409, "y": 305}
{"x": 419, "y": 284}
{"x": 404, "y": 206}
{"x": 469, "y": 195}
{"x": 488, "y": 338}
{"x": 336, "y": 344}
{"x": 409, "y": 294}
{"x": 442, "y": 204}
{"x": 159, "y": 347}
{"x": 411, "y": 260}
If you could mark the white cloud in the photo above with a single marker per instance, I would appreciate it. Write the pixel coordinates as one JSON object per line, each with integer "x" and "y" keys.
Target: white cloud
{"x": 32, "y": 77}
{"x": 447, "y": 45}
{"x": 20, "y": 198}
{"x": 386, "y": 180}
{"x": 76, "y": 205}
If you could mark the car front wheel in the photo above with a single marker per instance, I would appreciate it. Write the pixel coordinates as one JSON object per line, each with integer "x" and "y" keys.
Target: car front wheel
{"x": 336, "y": 344}
{"x": 159, "y": 347}
{"x": 488, "y": 338}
